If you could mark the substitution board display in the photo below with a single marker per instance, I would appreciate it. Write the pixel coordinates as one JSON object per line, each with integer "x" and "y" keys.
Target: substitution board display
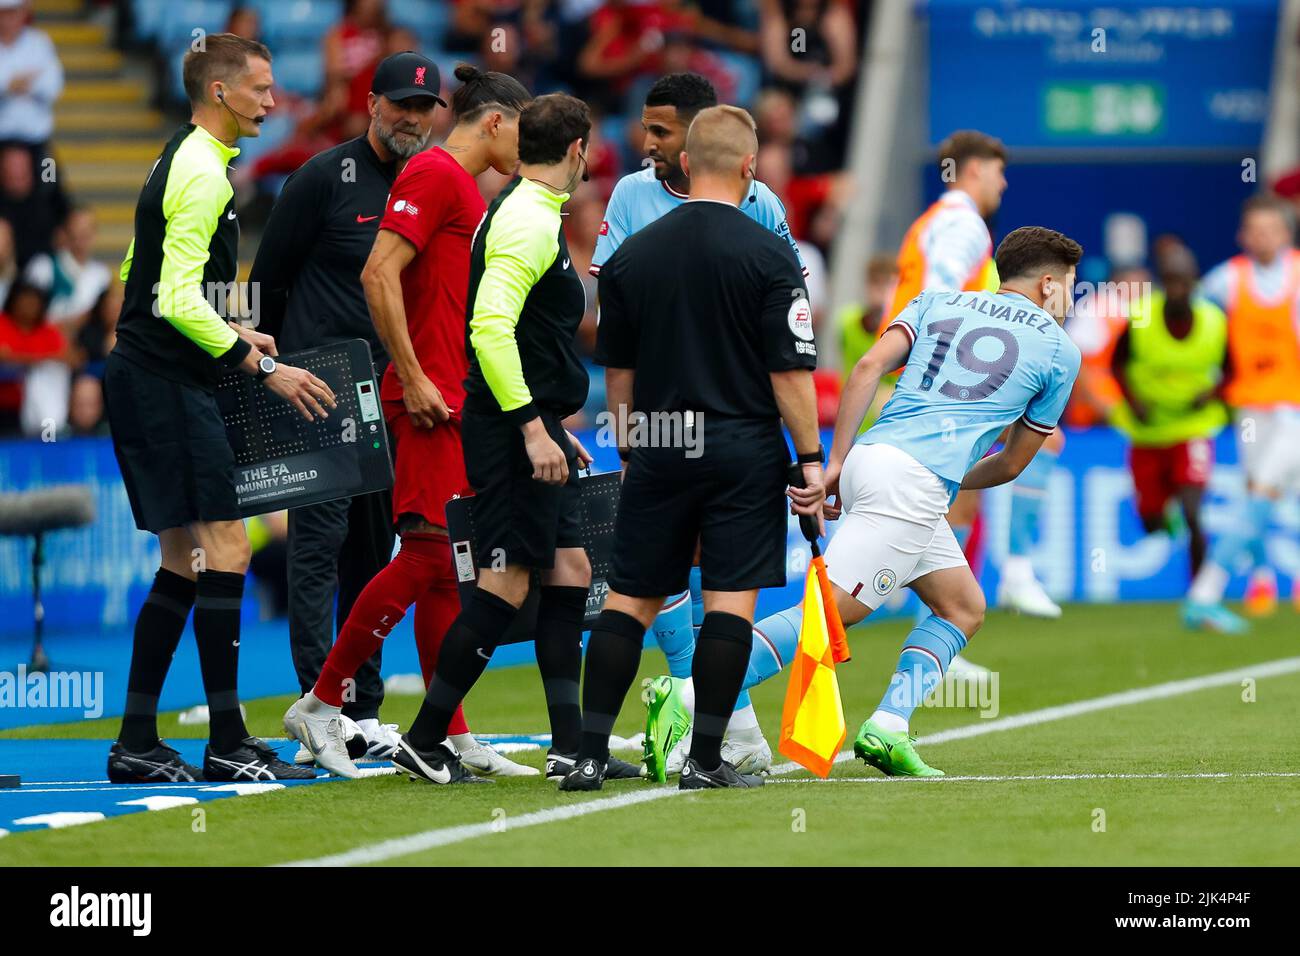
{"x": 284, "y": 461}
{"x": 599, "y": 508}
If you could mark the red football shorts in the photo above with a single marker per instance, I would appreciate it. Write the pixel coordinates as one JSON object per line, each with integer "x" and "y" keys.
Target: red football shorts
{"x": 1158, "y": 473}
{"x": 429, "y": 468}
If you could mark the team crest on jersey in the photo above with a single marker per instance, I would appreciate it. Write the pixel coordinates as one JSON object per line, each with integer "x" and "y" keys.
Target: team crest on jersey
{"x": 800, "y": 319}
{"x": 885, "y": 581}
{"x": 604, "y": 228}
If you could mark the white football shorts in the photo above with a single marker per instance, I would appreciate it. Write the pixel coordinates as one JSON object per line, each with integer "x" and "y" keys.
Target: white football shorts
{"x": 1268, "y": 445}
{"x": 893, "y": 528}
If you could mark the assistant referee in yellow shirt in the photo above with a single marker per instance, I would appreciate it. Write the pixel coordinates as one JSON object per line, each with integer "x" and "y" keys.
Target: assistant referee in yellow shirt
{"x": 172, "y": 347}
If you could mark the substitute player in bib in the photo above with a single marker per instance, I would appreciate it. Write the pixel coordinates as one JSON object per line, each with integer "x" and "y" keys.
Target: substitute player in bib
{"x": 415, "y": 282}
{"x": 639, "y": 199}
{"x": 1170, "y": 365}
{"x": 1260, "y": 292}
{"x": 977, "y": 363}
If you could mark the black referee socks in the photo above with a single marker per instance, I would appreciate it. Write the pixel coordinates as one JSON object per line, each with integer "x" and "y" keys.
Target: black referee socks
{"x": 217, "y": 599}
{"x": 559, "y": 659}
{"x": 613, "y": 657}
{"x": 158, "y": 630}
{"x": 721, "y": 658}
{"x": 464, "y": 655}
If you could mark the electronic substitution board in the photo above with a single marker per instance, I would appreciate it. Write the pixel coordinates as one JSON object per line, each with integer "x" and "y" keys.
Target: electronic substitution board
{"x": 284, "y": 461}
{"x": 599, "y": 508}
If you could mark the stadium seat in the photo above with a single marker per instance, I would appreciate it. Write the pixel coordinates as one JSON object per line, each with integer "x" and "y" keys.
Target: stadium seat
{"x": 181, "y": 19}
{"x": 428, "y": 19}
{"x": 300, "y": 71}
{"x": 147, "y": 17}
{"x": 292, "y": 23}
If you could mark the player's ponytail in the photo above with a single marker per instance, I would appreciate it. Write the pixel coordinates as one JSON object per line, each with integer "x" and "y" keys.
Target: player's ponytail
{"x": 481, "y": 91}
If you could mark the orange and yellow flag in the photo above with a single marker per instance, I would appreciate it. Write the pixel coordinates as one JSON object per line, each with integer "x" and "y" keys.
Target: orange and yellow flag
{"x": 812, "y": 724}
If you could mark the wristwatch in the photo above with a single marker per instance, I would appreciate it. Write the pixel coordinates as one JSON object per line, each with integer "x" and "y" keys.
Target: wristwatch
{"x": 817, "y": 457}
{"x": 265, "y": 366}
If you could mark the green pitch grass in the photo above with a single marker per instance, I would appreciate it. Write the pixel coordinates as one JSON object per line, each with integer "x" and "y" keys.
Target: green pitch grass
{"x": 859, "y": 818}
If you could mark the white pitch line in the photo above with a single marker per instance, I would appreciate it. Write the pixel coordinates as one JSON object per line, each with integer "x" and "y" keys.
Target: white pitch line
{"x": 1251, "y": 775}
{"x": 445, "y": 836}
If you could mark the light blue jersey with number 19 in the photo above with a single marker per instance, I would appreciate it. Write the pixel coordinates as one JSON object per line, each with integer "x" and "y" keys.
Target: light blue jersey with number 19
{"x": 979, "y": 362}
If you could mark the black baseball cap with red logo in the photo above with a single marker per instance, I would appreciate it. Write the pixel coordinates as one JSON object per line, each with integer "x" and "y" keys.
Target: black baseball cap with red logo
{"x": 407, "y": 74}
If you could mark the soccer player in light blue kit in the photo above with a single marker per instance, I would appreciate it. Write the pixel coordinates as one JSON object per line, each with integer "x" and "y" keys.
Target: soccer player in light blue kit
{"x": 976, "y": 363}
{"x": 638, "y": 200}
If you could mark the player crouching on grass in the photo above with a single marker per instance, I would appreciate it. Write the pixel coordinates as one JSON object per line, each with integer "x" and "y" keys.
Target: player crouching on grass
{"x": 976, "y": 363}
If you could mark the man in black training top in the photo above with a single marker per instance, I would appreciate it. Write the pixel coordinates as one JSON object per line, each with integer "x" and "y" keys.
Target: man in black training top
{"x": 308, "y": 275}
{"x": 719, "y": 357}
{"x": 179, "y": 469}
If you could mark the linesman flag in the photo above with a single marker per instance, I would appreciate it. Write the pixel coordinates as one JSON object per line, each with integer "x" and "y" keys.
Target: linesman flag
{"x": 812, "y": 723}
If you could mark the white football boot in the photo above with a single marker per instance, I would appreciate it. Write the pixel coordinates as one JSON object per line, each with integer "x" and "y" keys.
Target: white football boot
{"x": 1020, "y": 591}
{"x": 747, "y": 756}
{"x": 320, "y": 729}
{"x": 381, "y": 739}
{"x": 485, "y": 761}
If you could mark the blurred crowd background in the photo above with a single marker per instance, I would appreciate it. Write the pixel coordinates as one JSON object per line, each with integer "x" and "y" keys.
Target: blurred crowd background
{"x": 91, "y": 89}
{"x": 58, "y": 268}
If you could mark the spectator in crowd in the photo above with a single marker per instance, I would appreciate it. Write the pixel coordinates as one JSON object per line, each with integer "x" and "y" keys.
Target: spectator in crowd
{"x": 810, "y": 48}
{"x": 33, "y": 376}
{"x": 35, "y": 209}
{"x": 8, "y": 259}
{"x": 96, "y": 337}
{"x": 31, "y": 79}
{"x": 86, "y": 407}
{"x": 524, "y": 24}
{"x": 72, "y": 278}
{"x": 357, "y": 42}
{"x": 626, "y": 40}
{"x": 245, "y": 22}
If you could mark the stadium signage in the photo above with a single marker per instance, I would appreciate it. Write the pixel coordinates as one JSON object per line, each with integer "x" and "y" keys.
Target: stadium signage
{"x": 1187, "y": 75}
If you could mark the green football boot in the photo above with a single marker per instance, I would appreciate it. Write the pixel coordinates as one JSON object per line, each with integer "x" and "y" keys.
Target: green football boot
{"x": 891, "y": 753}
{"x": 666, "y": 723}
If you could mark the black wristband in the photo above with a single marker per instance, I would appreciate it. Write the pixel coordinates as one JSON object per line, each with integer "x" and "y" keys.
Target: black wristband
{"x": 234, "y": 356}
{"x": 817, "y": 457}
{"x": 522, "y": 415}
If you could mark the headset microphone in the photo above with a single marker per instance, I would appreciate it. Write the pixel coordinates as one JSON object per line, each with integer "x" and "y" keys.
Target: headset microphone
{"x": 221, "y": 98}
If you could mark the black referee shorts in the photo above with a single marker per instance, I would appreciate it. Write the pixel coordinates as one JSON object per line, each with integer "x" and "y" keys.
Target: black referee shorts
{"x": 171, "y": 447}
{"x": 517, "y": 519}
{"x": 731, "y": 499}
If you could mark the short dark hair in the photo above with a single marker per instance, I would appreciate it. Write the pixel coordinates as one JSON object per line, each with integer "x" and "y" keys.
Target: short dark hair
{"x": 1030, "y": 248}
{"x": 223, "y": 56}
{"x": 1266, "y": 202}
{"x": 688, "y": 93}
{"x": 481, "y": 91}
{"x": 549, "y": 124}
{"x": 967, "y": 144}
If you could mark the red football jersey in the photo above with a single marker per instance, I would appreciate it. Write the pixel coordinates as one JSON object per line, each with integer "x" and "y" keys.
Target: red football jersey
{"x": 435, "y": 205}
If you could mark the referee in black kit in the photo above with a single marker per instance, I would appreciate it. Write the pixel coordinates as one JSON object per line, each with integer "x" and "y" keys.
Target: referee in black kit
{"x": 308, "y": 276}
{"x": 704, "y": 319}
{"x": 168, "y": 434}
